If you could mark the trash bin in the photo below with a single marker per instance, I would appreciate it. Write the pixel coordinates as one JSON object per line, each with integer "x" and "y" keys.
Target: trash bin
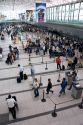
{"x": 76, "y": 91}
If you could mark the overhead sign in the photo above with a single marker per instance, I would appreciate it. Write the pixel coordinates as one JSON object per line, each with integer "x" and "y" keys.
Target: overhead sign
{"x": 40, "y": 12}
{"x": 29, "y": 15}
{"x": 22, "y": 16}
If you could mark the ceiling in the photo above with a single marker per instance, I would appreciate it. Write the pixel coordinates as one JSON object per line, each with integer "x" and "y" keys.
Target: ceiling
{"x": 28, "y": 4}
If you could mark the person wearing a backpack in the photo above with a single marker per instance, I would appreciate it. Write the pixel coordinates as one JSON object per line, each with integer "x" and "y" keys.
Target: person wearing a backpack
{"x": 49, "y": 86}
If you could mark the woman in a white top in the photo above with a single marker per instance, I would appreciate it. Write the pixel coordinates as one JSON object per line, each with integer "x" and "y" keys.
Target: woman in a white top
{"x": 36, "y": 86}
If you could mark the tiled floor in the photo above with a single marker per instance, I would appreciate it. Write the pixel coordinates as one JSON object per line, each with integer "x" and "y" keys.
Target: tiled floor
{"x": 31, "y": 110}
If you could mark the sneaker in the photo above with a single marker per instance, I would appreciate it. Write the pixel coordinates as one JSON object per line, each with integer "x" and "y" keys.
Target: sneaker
{"x": 59, "y": 95}
{"x": 35, "y": 96}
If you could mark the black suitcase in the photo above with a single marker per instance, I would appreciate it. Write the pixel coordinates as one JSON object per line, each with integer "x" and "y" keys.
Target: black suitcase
{"x": 25, "y": 76}
{"x": 2, "y": 37}
{"x": 63, "y": 67}
{"x": 18, "y": 79}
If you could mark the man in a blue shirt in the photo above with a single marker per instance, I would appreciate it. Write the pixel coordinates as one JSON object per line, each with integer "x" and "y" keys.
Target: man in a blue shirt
{"x": 63, "y": 86}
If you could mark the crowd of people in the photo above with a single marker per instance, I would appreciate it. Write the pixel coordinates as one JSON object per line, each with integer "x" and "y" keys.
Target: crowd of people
{"x": 54, "y": 45}
{"x": 12, "y": 55}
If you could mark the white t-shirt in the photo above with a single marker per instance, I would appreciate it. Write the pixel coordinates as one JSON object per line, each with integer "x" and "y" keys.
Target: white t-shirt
{"x": 21, "y": 69}
{"x": 35, "y": 84}
{"x": 11, "y": 102}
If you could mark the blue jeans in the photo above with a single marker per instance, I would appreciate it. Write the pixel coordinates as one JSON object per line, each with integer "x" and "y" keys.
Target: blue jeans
{"x": 36, "y": 92}
{"x": 62, "y": 91}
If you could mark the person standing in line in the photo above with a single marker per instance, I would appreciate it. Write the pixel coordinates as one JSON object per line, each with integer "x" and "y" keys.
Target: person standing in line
{"x": 58, "y": 62}
{"x": 17, "y": 53}
{"x": 36, "y": 86}
{"x": 32, "y": 72}
{"x": 63, "y": 86}
{"x": 50, "y": 51}
{"x": 49, "y": 86}
{"x": 9, "y": 60}
{"x": 75, "y": 61}
{"x": 10, "y": 48}
{"x": 21, "y": 69}
{"x": 74, "y": 80}
{"x": 11, "y": 105}
{"x": 44, "y": 49}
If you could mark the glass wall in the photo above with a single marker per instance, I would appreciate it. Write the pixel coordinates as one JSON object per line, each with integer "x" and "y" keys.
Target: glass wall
{"x": 66, "y": 13}
{"x": 81, "y": 12}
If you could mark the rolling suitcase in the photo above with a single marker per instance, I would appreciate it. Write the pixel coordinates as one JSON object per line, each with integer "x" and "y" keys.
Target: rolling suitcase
{"x": 25, "y": 76}
{"x": 63, "y": 67}
{"x": 18, "y": 79}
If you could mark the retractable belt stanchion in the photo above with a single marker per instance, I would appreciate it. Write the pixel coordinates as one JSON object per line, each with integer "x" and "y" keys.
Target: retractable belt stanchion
{"x": 46, "y": 66}
{"x": 58, "y": 80}
{"x": 41, "y": 81}
{"x": 54, "y": 114}
{"x": 43, "y": 99}
{"x": 29, "y": 59}
{"x": 42, "y": 58}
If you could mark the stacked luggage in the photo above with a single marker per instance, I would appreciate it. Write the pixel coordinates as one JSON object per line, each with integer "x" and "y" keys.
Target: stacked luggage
{"x": 25, "y": 77}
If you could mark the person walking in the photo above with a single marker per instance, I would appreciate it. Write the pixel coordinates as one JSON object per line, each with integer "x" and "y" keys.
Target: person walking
{"x": 63, "y": 86}
{"x": 21, "y": 69}
{"x": 75, "y": 61}
{"x": 49, "y": 86}
{"x": 11, "y": 105}
{"x": 36, "y": 86}
{"x": 58, "y": 62}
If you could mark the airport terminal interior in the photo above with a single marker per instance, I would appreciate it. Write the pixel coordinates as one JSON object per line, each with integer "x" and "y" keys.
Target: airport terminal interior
{"x": 41, "y": 62}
